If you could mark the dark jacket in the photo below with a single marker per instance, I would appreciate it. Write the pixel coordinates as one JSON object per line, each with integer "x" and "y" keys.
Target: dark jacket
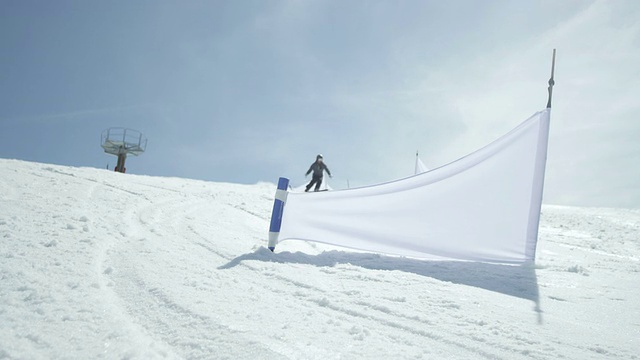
{"x": 317, "y": 169}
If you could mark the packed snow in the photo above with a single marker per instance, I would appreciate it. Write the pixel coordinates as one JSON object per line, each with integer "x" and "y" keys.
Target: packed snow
{"x": 101, "y": 265}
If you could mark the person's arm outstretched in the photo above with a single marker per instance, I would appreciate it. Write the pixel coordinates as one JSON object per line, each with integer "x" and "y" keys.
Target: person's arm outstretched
{"x": 327, "y": 169}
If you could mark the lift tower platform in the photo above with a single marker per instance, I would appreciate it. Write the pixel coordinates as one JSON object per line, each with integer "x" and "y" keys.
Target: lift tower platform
{"x": 122, "y": 142}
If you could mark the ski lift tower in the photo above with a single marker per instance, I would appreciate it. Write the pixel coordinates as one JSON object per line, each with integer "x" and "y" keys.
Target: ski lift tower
{"x": 121, "y": 142}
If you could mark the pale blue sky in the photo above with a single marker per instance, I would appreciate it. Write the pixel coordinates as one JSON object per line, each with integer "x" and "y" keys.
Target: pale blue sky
{"x": 247, "y": 91}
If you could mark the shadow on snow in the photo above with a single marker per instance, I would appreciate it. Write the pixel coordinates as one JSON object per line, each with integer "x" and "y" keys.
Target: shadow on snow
{"x": 519, "y": 281}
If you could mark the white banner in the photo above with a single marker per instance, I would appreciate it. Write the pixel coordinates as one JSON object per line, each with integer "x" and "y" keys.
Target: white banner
{"x": 420, "y": 166}
{"x": 483, "y": 207}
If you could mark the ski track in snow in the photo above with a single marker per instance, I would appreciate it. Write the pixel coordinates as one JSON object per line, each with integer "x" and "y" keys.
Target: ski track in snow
{"x": 96, "y": 264}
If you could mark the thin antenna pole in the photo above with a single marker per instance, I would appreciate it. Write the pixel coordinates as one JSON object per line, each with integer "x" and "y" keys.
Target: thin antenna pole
{"x": 551, "y": 81}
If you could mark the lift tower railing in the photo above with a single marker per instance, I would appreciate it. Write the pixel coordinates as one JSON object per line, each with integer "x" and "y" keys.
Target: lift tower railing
{"x": 122, "y": 142}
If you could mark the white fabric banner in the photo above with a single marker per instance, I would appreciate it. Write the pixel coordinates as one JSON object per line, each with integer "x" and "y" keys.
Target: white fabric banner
{"x": 482, "y": 207}
{"x": 323, "y": 187}
{"x": 420, "y": 166}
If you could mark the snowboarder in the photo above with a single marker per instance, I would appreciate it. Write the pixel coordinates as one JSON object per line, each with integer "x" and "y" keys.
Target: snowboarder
{"x": 318, "y": 168}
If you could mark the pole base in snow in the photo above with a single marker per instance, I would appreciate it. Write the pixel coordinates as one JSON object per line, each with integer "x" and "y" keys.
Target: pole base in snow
{"x": 272, "y": 248}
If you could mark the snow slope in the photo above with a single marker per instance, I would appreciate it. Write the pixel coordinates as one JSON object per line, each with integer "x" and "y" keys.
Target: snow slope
{"x": 96, "y": 264}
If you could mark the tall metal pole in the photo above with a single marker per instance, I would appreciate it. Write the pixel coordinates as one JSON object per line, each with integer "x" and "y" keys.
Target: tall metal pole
{"x": 551, "y": 81}
{"x": 121, "y": 159}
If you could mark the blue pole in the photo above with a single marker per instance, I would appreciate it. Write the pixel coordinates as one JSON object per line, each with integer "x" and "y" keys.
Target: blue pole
{"x": 276, "y": 214}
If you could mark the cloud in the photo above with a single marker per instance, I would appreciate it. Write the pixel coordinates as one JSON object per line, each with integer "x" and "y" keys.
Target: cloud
{"x": 82, "y": 115}
{"x": 594, "y": 111}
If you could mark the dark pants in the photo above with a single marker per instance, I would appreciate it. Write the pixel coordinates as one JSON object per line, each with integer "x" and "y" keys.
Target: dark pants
{"x": 317, "y": 180}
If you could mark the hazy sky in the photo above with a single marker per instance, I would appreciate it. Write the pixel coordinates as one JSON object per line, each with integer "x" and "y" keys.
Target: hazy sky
{"x": 247, "y": 91}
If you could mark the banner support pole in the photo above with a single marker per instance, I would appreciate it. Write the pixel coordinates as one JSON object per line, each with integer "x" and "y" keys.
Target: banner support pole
{"x": 276, "y": 213}
{"x": 551, "y": 81}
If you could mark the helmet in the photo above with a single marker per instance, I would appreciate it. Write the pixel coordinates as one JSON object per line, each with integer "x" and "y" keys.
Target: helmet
{"x": 319, "y": 156}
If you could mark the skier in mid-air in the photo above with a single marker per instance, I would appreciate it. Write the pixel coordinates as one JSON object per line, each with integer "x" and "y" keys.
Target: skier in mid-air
{"x": 318, "y": 168}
